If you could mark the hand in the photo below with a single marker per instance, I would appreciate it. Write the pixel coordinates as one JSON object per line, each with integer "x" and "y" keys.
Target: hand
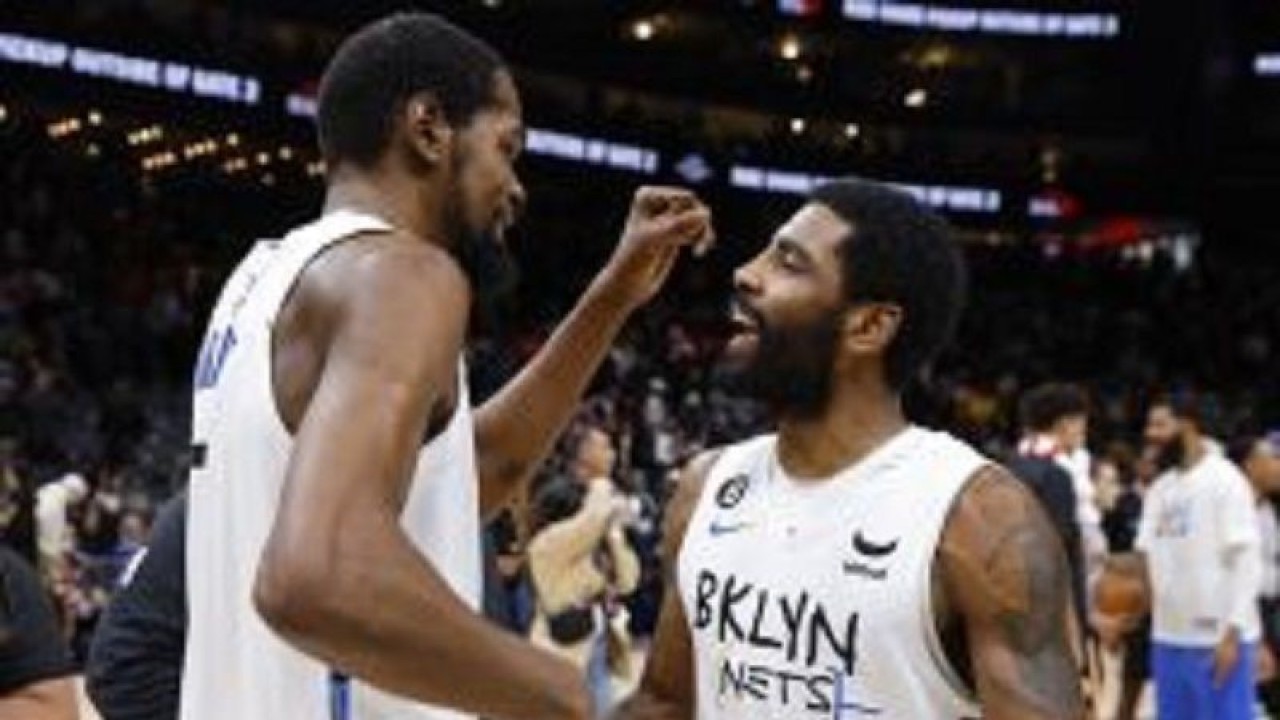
{"x": 661, "y": 222}
{"x": 1225, "y": 657}
{"x": 1110, "y": 629}
{"x": 600, "y": 491}
{"x": 1266, "y": 664}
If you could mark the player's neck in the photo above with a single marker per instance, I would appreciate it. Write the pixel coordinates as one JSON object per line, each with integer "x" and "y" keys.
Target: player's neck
{"x": 853, "y": 425}
{"x": 398, "y": 203}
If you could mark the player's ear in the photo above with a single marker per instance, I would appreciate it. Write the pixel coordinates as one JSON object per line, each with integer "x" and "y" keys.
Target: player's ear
{"x": 427, "y": 129}
{"x": 870, "y": 327}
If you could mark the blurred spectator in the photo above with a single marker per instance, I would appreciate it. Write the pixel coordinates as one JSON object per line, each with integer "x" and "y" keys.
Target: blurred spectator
{"x": 1121, "y": 515}
{"x": 582, "y": 565}
{"x": 1058, "y": 417}
{"x": 56, "y": 536}
{"x": 17, "y": 504}
{"x": 1046, "y": 416}
{"x": 35, "y": 668}
{"x": 507, "y": 598}
{"x": 134, "y": 670}
{"x": 1259, "y": 458}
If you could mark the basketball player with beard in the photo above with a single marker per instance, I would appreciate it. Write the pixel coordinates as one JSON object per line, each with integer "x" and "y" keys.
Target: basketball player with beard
{"x": 852, "y": 564}
{"x": 1197, "y": 549}
{"x": 340, "y": 476}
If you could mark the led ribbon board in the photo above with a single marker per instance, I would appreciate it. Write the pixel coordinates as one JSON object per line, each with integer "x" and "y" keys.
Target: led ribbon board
{"x": 174, "y": 77}
{"x": 989, "y": 21}
{"x": 943, "y": 197}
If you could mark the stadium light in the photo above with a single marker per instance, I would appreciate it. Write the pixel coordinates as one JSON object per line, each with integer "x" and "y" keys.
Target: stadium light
{"x": 789, "y": 47}
{"x": 798, "y": 125}
{"x": 643, "y": 30}
{"x": 916, "y": 98}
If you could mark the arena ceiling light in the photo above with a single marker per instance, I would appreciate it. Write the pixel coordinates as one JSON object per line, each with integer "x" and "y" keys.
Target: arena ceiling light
{"x": 790, "y": 47}
{"x": 916, "y": 98}
{"x": 1267, "y": 65}
{"x": 643, "y": 30}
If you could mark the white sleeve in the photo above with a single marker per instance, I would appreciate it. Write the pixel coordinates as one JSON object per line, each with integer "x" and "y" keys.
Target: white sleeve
{"x": 1242, "y": 576}
{"x": 1239, "y": 540}
{"x": 1237, "y": 516}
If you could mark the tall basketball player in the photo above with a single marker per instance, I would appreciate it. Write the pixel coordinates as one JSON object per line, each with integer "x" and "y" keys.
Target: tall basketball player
{"x": 853, "y": 565}
{"x": 333, "y": 559}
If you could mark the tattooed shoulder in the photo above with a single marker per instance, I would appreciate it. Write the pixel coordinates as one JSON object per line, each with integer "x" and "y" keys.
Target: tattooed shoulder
{"x": 1004, "y": 573}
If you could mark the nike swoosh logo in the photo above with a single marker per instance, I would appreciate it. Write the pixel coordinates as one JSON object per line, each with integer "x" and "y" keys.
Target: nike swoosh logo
{"x": 717, "y": 529}
{"x": 865, "y": 547}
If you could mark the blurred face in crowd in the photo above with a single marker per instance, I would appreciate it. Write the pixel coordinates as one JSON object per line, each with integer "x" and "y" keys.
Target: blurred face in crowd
{"x": 1262, "y": 466}
{"x": 1072, "y": 432}
{"x": 486, "y": 196}
{"x": 1106, "y": 478}
{"x": 596, "y": 455}
{"x": 133, "y": 530}
{"x": 1164, "y": 432}
{"x": 787, "y": 311}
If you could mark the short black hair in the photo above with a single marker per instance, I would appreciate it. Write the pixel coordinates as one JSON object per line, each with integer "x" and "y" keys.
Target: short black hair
{"x": 377, "y": 69}
{"x": 1188, "y": 406}
{"x": 902, "y": 252}
{"x": 1043, "y": 406}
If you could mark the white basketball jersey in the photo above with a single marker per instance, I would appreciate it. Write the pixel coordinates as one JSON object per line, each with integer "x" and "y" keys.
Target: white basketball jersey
{"x": 235, "y": 666}
{"x": 812, "y": 600}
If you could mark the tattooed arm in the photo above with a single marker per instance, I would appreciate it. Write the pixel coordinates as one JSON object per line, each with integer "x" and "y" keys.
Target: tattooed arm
{"x": 1003, "y": 578}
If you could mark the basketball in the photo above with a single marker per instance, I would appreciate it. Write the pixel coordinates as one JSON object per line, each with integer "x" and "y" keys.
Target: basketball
{"x": 1121, "y": 594}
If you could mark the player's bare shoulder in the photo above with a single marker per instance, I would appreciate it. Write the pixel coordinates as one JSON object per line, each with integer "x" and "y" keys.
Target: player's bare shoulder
{"x": 1004, "y": 573}
{"x": 388, "y": 267}
{"x": 998, "y": 549}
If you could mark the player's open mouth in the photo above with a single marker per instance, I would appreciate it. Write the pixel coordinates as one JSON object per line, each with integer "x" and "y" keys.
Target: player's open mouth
{"x": 742, "y": 323}
{"x": 500, "y": 228}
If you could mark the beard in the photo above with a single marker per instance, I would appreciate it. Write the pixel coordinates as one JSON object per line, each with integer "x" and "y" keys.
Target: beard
{"x": 480, "y": 252}
{"x": 1170, "y": 454}
{"x": 487, "y": 265}
{"x": 790, "y": 368}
